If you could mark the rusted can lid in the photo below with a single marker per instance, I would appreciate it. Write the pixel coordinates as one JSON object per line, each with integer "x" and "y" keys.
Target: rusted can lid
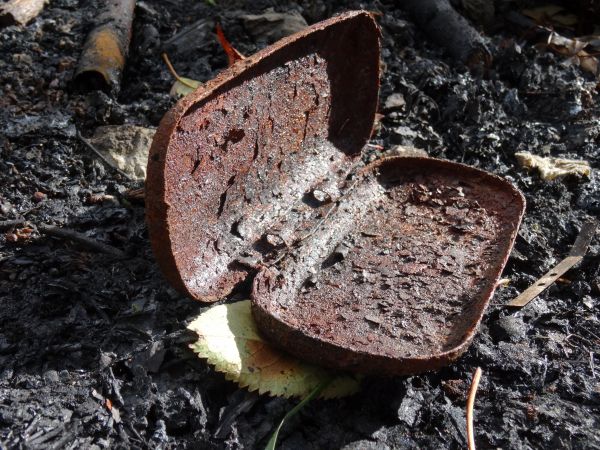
{"x": 386, "y": 268}
{"x": 231, "y": 161}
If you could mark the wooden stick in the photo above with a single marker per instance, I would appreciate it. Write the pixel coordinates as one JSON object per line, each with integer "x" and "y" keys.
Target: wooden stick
{"x": 89, "y": 145}
{"x": 82, "y": 239}
{"x": 447, "y": 28}
{"x": 470, "y": 402}
{"x": 575, "y": 255}
{"x": 8, "y": 224}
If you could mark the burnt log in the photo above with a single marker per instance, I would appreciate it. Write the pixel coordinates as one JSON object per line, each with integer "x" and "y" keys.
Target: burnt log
{"x": 447, "y": 28}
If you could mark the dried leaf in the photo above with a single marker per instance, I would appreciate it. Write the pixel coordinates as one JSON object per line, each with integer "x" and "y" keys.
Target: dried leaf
{"x": 565, "y": 46}
{"x": 552, "y": 168}
{"x": 232, "y": 54}
{"x": 578, "y": 250}
{"x": 551, "y": 14}
{"x": 183, "y": 86}
{"x": 229, "y": 340}
{"x": 588, "y": 62}
{"x": 574, "y": 49}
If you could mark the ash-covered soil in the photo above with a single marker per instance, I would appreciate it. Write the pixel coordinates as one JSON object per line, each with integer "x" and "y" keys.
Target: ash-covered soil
{"x": 79, "y": 327}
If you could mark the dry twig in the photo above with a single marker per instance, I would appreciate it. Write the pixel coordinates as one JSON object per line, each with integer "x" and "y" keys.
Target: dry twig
{"x": 470, "y": 402}
{"x": 101, "y": 156}
{"x": 82, "y": 239}
{"x": 575, "y": 255}
{"x": 8, "y": 224}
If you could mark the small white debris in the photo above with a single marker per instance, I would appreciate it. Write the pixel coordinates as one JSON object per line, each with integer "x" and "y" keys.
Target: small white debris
{"x": 394, "y": 101}
{"x": 404, "y": 150}
{"x": 126, "y": 146}
{"x": 551, "y": 168}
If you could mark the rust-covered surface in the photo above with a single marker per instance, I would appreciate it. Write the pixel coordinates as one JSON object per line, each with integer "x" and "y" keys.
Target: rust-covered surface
{"x": 105, "y": 50}
{"x": 399, "y": 285}
{"x": 230, "y": 164}
{"x": 380, "y": 269}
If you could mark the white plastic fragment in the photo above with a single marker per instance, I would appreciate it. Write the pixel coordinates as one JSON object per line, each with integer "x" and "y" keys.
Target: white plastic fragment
{"x": 551, "y": 168}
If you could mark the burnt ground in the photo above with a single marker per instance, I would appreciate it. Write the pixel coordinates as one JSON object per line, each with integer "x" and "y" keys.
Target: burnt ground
{"x": 79, "y": 327}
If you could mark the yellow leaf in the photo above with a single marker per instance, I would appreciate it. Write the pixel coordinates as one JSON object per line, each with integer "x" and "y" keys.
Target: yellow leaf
{"x": 229, "y": 340}
{"x": 181, "y": 89}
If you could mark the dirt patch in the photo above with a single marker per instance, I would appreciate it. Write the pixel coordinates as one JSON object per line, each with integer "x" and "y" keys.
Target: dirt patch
{"x": 80, "y": 327}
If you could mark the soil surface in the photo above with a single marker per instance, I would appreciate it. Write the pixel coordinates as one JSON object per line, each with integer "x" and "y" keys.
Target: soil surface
{"x": 93, "y": 347}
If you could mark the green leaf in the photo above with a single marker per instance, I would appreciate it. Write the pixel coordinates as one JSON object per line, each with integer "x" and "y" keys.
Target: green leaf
{"x": 229, "y": 340}
{"x": 273, "y": 440}
{"x": 184, "y": 86}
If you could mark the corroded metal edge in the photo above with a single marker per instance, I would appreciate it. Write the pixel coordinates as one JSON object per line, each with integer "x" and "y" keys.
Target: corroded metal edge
{"x": 157, "y": 209}
{"x": 330, "y": 355}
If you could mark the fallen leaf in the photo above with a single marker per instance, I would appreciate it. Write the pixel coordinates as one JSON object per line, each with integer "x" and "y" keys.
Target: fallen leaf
{"x": 552, "y": 168}
{"x": 574, "y": 48}
{"x": 588, "y": 62}
{"x": 232, "y": 54}
{"x": 229, "y": 340}
{"x": 183, "y": 86}
{"x": 564, "y": 45}
{"x": 551, "y": 14}
{"x": 20, "y": 234}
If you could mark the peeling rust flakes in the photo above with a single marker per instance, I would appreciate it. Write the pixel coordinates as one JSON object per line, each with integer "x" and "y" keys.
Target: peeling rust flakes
{"x": 416, "y": 290}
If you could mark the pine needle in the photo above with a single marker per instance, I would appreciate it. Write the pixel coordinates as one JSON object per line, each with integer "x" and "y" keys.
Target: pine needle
{"x": 470, "y": 402}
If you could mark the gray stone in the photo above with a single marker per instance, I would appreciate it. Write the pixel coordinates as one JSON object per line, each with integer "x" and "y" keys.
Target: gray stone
{"x": 394, "y": 101}
{"x": 512, "y": 327}
{"x": 125, "y": 146}
{"x": 272, "y": 26}
{"x": 51, "y": 376}
{"x": 365, "y": 445}
{"x": 410, "y": 406}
